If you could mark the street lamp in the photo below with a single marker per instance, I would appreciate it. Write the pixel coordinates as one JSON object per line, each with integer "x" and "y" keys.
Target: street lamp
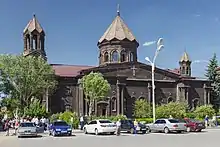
{"x": 159, "y": 47}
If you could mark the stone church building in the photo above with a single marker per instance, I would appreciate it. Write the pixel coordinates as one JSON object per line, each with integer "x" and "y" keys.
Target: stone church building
{"x": 118, "y": 62}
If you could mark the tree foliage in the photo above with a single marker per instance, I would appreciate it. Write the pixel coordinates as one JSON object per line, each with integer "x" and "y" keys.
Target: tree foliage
{"x": 35, "y": 109}
{"x": 95, "y": 88}
{"x": 175, "y": 109}
{"x": 26, "y": 77}
{"x": 213, "y": 76}
{"x": 70, "y": 117}
{"x": 204, "y": 110}
{"x": 142, "y": 109}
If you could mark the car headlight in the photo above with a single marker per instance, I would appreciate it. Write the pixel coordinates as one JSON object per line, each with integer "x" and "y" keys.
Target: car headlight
{"x": 58, "y": 129}
{"x": 69, "y": 129}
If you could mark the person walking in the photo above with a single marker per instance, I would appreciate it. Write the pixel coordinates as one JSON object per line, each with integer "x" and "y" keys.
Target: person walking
{"x": 7, "y": 125}
{"x": 118, "y": 127}
{"x": 206, "y": 121}
{"x": 135, "y": 126}
{"x": 81, "y": 122}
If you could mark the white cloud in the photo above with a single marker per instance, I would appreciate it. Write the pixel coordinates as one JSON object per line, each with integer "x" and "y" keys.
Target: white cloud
{"x": 196, "y": 15}
{"x": 149, "y": 43}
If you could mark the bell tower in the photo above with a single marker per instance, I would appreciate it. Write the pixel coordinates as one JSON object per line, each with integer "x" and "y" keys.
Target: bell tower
{"x": 118, "y": 44}
{"x": 185, "y": 65}
{"x": 34, "y": 39}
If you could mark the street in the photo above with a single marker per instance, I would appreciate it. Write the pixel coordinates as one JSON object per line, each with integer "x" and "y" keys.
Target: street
{"x": 203, "y": 139}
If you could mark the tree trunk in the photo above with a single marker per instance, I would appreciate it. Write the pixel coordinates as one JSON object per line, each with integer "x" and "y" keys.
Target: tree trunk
{"x": 90, "y": 110}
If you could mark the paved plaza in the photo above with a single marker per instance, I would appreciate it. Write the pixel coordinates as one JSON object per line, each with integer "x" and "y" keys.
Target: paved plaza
{"x": 203, "y": 139}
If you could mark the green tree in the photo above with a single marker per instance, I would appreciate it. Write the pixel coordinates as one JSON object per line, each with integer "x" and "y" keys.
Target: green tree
{"x": 95, "y": 88}
{"x": 175, "y": 109}
{"x": 213, "y": 76}
{"x": 26, "y": 77}
{"x": 142, "y": 109}
{"x": 204, "y": 110}
{"x": 35, "y": 109}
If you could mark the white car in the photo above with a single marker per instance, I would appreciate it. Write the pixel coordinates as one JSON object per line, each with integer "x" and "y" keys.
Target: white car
{"x": 100, "y": 127}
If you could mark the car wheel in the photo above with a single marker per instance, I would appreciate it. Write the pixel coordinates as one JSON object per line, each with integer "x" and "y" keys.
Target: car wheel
{"x": 188, "y": 129}
{"x": 199, "y": 130}
{"x": 144, "y": 132}
{"x": 148, "y": 129}
{"x": 85, "y": 131}
{"x": 112, "y": 133}
{"x": 166, "y": 130}
{"x": 96, "y": 132}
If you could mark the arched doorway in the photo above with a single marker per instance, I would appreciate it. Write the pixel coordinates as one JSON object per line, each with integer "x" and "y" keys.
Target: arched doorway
{"x": 102, "y": 108}
{"x": 169, "y": 99}
{"x": 195, "y": 103}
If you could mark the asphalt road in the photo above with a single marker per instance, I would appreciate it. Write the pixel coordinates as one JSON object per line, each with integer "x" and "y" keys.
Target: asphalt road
{"x": 203, "y": 139}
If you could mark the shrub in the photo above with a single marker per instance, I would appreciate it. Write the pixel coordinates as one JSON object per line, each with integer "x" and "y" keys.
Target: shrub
{"x": 142, "y": 109}
{"x": 190, "y": 115}
{"x": 35, "y": 109}
{"x": 145, "y": 120}
{"x": 202, "y": 111}
{"x": 70, "y": 117}
{"x": 175, "y": 109}
{"x": 54, "y": 117}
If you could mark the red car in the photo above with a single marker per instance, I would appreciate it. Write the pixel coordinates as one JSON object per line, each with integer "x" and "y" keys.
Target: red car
{"x": 193, "y": 125}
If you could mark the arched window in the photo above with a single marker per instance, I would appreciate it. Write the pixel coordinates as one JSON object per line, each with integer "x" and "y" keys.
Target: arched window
{"x": 123, "y": 56}
{"x": 115, "y": 56}
{"x": 183, "y": 70}
{"x": 113, "y": 104}
{"x": 187, "y": 70}
{"x": 106, "y": 58}
{"x": 170, "y": 99}
{"x": 131, "y": 57}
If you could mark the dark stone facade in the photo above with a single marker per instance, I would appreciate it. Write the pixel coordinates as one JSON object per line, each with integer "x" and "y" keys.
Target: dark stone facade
{"x": 126, "y": 87}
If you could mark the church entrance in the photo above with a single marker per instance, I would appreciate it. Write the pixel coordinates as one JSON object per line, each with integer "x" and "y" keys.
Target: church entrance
{"x": 102, "y": 108}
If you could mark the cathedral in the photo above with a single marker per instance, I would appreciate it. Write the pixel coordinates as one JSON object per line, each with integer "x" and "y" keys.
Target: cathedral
{"x": 130, "y": 79}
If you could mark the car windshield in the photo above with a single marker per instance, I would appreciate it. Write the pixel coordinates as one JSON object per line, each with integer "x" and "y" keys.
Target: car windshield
{"x": 27, "y": 125}
{"x": 61, "y": 123}
{"x": 173, "y": 120}
{"x": 104, "y": 121}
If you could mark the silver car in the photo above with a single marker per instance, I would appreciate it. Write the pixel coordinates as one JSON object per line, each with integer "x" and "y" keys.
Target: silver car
{"x": 27, "y": 129}
{"x": 167, "y": 125}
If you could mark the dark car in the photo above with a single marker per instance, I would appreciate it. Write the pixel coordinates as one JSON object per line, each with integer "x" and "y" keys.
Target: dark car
{"x": 194, "y": 125}
{"x": 128, "y": 125}
{"x": 58, "y": 128}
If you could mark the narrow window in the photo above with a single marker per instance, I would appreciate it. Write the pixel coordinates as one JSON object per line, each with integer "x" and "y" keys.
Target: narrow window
{"x": 115, "y": 56}
{"x": 106, "y": 58}
{"x": 131, "y": 57}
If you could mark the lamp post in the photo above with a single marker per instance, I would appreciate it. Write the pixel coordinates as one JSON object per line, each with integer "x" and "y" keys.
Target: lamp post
{"x": 159, "y": 47}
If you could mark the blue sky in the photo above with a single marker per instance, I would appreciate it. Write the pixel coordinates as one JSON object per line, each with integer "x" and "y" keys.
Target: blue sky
{"x": 74, "y": 27}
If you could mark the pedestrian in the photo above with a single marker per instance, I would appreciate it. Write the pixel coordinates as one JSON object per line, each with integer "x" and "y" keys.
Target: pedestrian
{"x": 206, "y": 121}
{"x": 16, "y": 126}
{"x": 118, "y": 127}
{"x": 7, "y": 125}
{"x": 81, "y": 122}
{"x": 135, "y": 126}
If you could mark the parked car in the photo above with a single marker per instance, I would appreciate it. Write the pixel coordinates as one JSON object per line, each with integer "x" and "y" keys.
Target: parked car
{"x": 100, "y": 127}
{"x": 27, "y": 129}
{"x": 193, "y": 125}
{"x": 128, "y": 125}
{"x": 59, "y": 128}
{"x": 167, "y": 125}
